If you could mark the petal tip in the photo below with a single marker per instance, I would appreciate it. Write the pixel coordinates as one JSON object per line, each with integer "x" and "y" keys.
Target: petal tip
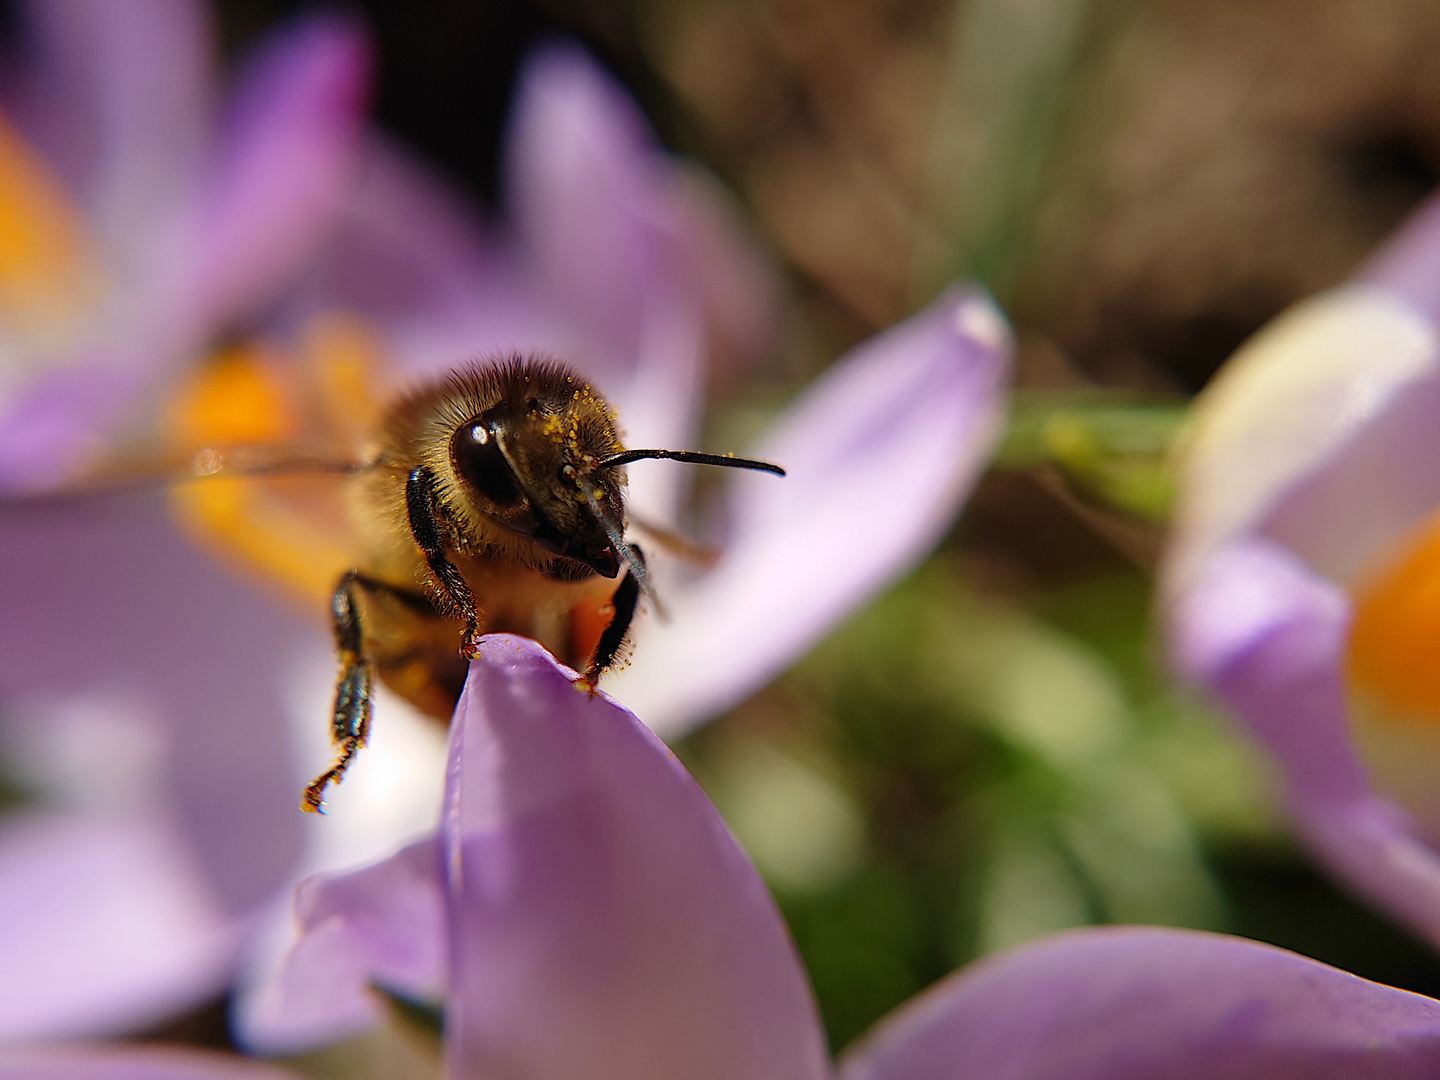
{"x": 978, "y": 317}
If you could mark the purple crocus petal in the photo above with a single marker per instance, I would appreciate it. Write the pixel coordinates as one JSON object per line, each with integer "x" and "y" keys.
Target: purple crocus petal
{"x": 1372, "y": 846}
{"x": 129, "y": 1063}
{"x": 1382, "y": 478}
{"x": 1287, "y": 405}
{"x": 289, "y": 148}
{"x": 121, "y": 100}
{"x": 660, "y": 404}
{"x": 104, "y": 598}
{"x": 585, "y": 185}
{"x": 1153, "y": 1004}
{"x": 879, "y": 454}
{"x": 730, "y": 276}
{"x": 380, "y": 926}
{"x": 48, "y": 430}
{"x": 105, "y": 924}
{"x": 1266, "y": 636}
{"x": 1408, "y": 266}
{"x": 602, "y": 921}
{"x": 406, "y": 251}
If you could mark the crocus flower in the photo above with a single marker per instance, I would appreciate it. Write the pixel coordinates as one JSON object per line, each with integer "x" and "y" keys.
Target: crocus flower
{"x": 1302, "y": 583}
{"x": 140, "y": 219}
{"x": 585, "y": 913}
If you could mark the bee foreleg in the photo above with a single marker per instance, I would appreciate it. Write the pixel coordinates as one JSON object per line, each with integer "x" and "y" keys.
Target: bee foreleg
{"x": 350, "y": 724}
{"x": 422, "y": 505}
{"x": 626, "y": 597}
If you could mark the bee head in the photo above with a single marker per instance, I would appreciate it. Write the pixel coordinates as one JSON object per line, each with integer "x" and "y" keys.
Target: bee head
{"x": 542, "y": 459}
{"x": 523, "y": 458}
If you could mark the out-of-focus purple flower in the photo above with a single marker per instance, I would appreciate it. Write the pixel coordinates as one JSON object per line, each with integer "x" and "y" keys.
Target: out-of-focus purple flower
{"x": 596, "y": 918}
{"x": 1302, "y": 582}
{"x": 148, "y": 217}
{"x": 141, "y": 685}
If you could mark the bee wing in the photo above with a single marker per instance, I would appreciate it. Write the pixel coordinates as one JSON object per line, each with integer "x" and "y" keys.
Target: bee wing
{"x": 674, "y": 542}
{"x": 161, "y": 472}
{"x": 275, "y": 512}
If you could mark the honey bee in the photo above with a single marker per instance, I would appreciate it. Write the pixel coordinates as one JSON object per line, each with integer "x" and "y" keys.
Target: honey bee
{"x": 491, "y": 500}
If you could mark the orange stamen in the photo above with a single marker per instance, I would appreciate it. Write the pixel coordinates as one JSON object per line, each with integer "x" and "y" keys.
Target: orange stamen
{"x": 1393, "y": 653}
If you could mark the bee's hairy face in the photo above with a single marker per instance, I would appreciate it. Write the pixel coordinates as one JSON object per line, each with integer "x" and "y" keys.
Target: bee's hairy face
{"x": 523, "y": 461}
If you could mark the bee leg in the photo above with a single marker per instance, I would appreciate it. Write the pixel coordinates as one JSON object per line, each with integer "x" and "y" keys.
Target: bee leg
{"x": 350, "y": 725}
{"x": 626, "y": 597}
{"x": 421, "y": 505}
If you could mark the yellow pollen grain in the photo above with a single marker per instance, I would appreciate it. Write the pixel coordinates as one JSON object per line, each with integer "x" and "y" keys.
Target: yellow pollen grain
{"x": 1393, "y": 652}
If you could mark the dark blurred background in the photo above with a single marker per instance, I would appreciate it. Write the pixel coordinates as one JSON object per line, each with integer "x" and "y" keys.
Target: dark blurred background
{"x": 993, "y": 751}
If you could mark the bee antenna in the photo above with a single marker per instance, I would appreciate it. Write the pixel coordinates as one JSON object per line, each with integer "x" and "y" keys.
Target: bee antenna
{"x": 729, "y": 461}
{"x": 633, "y": 563}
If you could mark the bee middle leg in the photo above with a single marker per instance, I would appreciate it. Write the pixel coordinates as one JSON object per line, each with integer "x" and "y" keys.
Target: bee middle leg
{"x": 389, "y": 640}
{"x": 625, "y": 600}
{"x": 350, "y": 721}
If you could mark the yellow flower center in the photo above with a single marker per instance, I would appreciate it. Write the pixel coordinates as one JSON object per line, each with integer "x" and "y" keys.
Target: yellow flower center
{"x": 1393, "y": 670}
{"x": 310, "y": 400}
{"x": 1394, "y": 646}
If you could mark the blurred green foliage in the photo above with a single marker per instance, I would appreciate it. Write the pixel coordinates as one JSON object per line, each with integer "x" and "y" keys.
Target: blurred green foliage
{"x": 955, "y": 772}
{"x": 1111, "y": 446}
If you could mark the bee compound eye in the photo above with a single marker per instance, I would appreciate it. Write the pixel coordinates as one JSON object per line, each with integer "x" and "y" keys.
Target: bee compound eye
{"x": 475, "y": 450}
